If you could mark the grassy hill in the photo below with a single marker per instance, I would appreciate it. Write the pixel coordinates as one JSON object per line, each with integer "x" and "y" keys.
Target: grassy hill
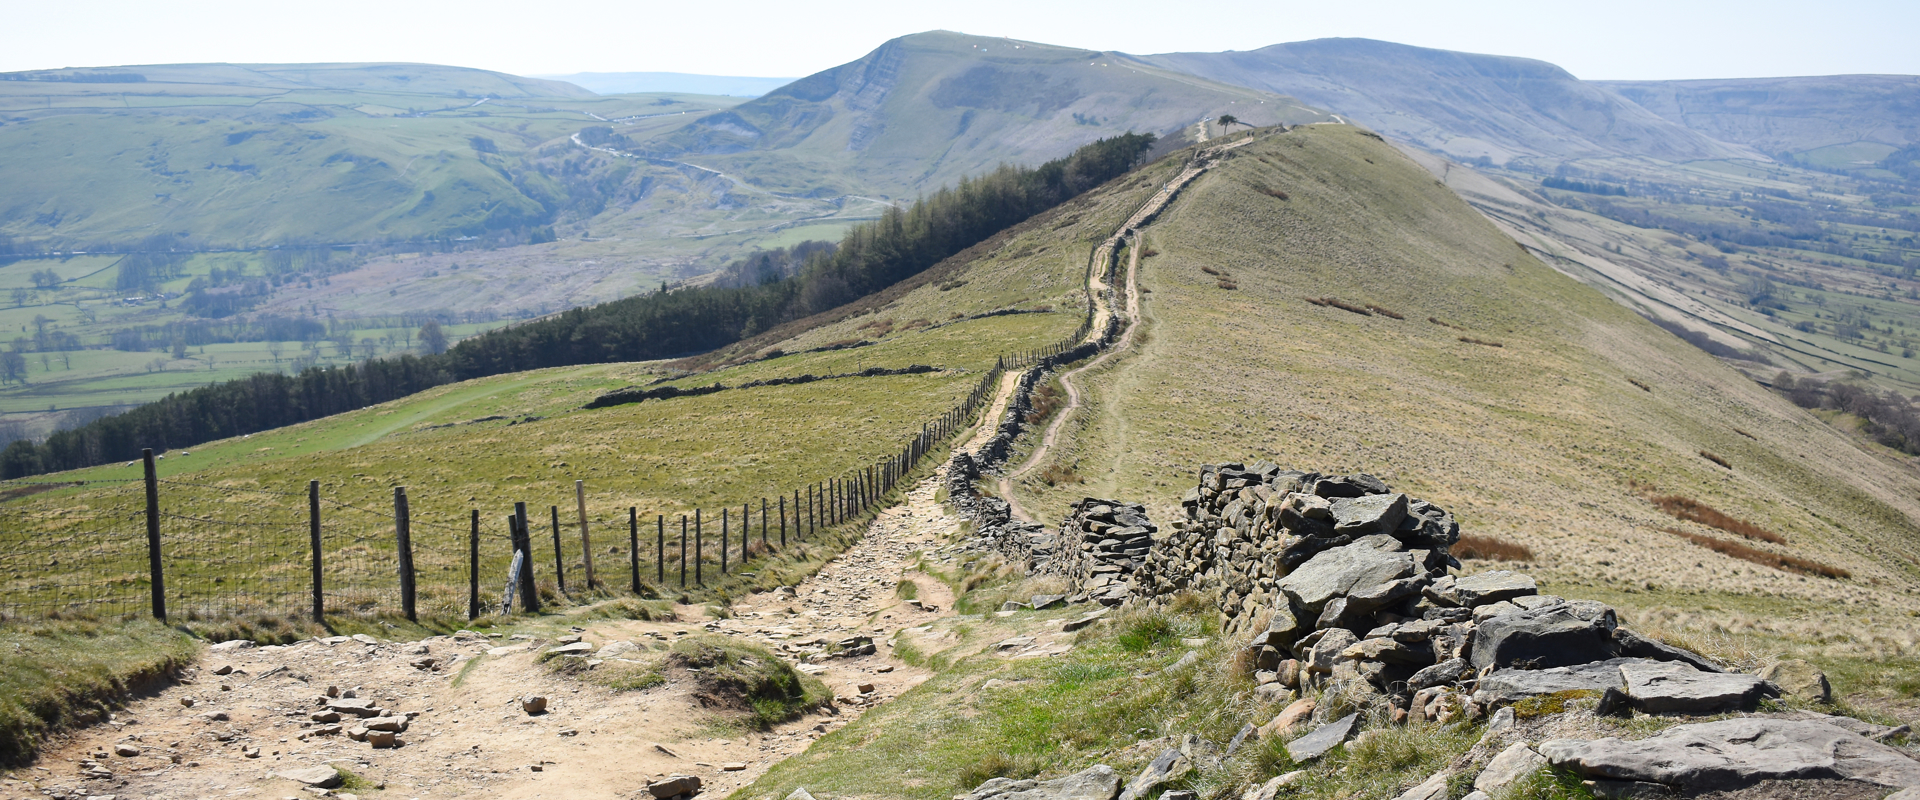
{"x": 1466, "y": 105}
{"x": 926, "y": 109}
{"x": 1832, "y": 122}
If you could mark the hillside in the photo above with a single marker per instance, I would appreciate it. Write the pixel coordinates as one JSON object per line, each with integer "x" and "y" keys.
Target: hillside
{"x": 1833, "y": 122}
{"x": 925, "y": 109}
{"x": 643, "y": 82}
{"x": 1466, "y": 105}
{"x": 1533, "y": 407}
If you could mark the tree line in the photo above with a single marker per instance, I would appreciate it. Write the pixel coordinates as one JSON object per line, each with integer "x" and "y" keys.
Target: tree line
{"x": 668, "y": 323}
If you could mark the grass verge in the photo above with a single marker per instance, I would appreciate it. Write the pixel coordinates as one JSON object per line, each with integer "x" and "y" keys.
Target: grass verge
{"x": 62, "y": 673}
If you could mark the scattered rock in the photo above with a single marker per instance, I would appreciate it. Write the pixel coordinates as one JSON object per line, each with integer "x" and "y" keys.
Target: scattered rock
{"x": 1171, "y": 765}
{"x": 574, "y": 649}
{"x": 533, "y": 704}
{"x": 1490, "y": 587}
{"x": 1433, "y": 788}
{"x": 1326, "y": 737}
{"x": 1082, "y": 622}
{"x": 1098, "y": 782}
{"x": 1799, "y": 679}
{"x": 1288, "y": 718}
{"x": 1509, "y": 767}
{"x": 1556, "y": 636}
{"x": 733, "y": 766}
{"x": 674, "y": 786}
{"x": 319, "y": 777}
{"x": 223, "y": 669}
{"x": 232, "y": 645}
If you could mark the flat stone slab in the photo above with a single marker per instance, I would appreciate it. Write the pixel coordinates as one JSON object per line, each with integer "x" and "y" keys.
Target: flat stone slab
{"x": 1672, "y": 687}
{"x": 321, "y": 777}
{"x": 1735, "y": 753}
{"x": 1491, "y": 587}
{"x": 1343, "y": 571}
{"x": 1509, "y": 767}
{"x": 1323, "y": 739}
{"x": 1513, "y": 685}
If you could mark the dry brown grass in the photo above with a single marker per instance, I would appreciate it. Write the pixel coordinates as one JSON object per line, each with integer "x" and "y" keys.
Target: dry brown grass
{"x": 1779, "y": 561}
{"x": 1384, "y": 311}
{"x": 1491, "y": 548}
{"x": 1715, "y": 459}
{"x": 1058, "y": 474}
{"x": 1746, "y": 434}
{"x": 1643, "y": 387}
{"x": 1442, "y": 323}
{"x": 1693, "y": 510}
{"x": 1471, "y": 340}
{"x": 1334, "y": 302}
{"x": 1274, "y": 193}
{"x": 1227, "y": 284}
{"x": 1046, "y": 400}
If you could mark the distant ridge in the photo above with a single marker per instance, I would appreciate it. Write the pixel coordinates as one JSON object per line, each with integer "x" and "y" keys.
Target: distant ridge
{"x": 674, "y": 82}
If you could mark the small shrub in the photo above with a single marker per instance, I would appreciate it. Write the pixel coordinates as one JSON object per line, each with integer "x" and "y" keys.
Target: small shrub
{"x": 1715, "y": 459}
{"x": 1643, "y": 387}
{"x": 1278, "y": 194}
{"x": 1046, "y": 399}
{"x": 1060, "y": 474}
{"x": 1149, "y": 253}
{"x": 1746, "y": 434}
{"x": 1471, "y": 340}
{"x": 1489, "y": 548}
{"x": 1216, "y": 272}
{"x": 1228, "y": 285}
{"x": 1442, "y": 323}
{"x": 1385, "y": 312}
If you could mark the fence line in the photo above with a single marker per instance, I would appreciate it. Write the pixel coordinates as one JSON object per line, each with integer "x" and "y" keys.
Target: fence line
{"x": 330, "y": 556}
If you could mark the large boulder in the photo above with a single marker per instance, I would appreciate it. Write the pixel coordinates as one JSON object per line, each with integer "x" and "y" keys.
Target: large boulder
{"x": 1578, "y": 632}
{"x": 1670, "y": 687}
{"x": 1171, "y": 765}
{"x": 1511, "y": 766}
{"x": 1632, "y": 645}
{"x": 1374, "y": 513}
{"x": 1735, "y": 753}
{"x": 1360, "y": 568}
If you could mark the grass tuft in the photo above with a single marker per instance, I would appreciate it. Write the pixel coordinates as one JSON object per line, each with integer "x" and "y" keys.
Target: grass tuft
{"x": 1692, "y": 510}
{"x": 1779, "y": 561}
{"x": 1715, "y": 459}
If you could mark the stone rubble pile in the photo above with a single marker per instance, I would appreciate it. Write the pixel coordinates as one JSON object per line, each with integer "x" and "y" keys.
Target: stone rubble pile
{"x": 1247, "y": 527}
{"x": 1344, "y": 595}
{"x": 1097, "y": 549}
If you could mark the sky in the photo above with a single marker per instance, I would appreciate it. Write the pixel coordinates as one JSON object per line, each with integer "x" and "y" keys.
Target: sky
{"x": 1613, "y": 40}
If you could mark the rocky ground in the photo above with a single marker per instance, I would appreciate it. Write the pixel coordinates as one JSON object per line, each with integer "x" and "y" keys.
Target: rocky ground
{"x": 243, "y": 720}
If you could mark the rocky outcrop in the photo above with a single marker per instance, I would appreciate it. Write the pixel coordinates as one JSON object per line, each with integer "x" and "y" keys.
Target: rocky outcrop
{"x": 1734, "y": 753}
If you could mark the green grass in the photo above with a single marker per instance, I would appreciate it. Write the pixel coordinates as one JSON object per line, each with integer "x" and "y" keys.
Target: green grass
{"x": 61, "y": 673}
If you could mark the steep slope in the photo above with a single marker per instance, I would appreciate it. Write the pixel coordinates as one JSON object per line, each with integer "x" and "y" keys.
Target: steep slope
{"x": 1466, "y": 105}
{"x": 1854, "y": 117}
{"x": 924, "y": 109}
{"x": 255, "y": 155}
{"x": 1530, "y": 405}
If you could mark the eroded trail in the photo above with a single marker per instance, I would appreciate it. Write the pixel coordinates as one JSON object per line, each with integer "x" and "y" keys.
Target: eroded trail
{"x": 1102, "y": 294}
{"x": 238, "y": 734}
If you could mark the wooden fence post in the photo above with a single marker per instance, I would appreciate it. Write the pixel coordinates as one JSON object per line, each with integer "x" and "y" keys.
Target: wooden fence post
{"x": 683, "y": 551}
{"x": 523, "y": 541}
{"x": 698, "y": 578}
{"x": 783, "y": 522}
{"x": 473, "y": 567}
{"x": 403, "y": 542}
{"x": 724, "y": 539}
{"x": 313, "y": 538}
{"x": 810, "y": 526}
{"x": 763, "y": 520}
{"x": 633, "y": 545}
{"x": 155, "y": 573}
{"x": 586, "y": 538}
{"x": 660, "y": 545}
{"x": 746, "y": 531}
{"x": 559, "y": 561}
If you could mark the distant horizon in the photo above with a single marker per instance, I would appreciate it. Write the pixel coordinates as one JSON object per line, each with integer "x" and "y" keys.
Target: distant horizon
{"x": 773, "y": 82}
{"x": 1626, "y": 40}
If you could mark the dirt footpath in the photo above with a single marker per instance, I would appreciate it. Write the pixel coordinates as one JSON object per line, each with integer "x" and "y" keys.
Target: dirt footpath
{"x": 237, "y": 734}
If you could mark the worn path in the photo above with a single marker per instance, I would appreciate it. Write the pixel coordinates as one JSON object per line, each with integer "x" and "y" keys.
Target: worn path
{"x": 468, "y": 736}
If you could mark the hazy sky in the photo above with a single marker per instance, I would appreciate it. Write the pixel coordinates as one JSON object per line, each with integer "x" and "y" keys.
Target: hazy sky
{"x": 1614, "y": 39}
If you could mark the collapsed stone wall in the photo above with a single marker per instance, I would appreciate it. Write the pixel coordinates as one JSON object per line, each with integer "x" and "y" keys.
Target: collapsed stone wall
{"x": 1247, "y": 526}
{"x": 1098, "y": 549}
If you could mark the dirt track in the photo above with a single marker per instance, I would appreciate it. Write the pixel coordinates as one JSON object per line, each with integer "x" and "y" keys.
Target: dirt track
{"x": 473, "y": 740}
